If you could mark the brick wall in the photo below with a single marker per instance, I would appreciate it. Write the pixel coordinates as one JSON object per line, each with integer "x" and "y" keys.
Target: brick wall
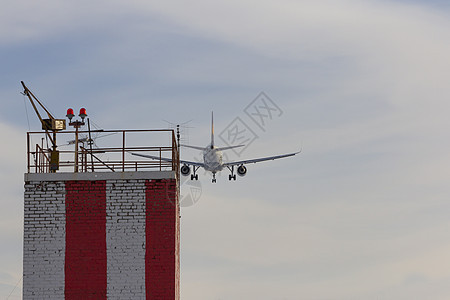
{"x": 44, "y": 240}
{"x": 161, "y": 250}
{"x": 126, "y": 226}
{"x": 85, "y": 261}
{"x": 101, "y": 236}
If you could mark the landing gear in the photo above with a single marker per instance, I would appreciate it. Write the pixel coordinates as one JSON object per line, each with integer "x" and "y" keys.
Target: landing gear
{"x": 232, "y": 175}
{"x": 194, "y": 176}
{"x": 214, "y": 178}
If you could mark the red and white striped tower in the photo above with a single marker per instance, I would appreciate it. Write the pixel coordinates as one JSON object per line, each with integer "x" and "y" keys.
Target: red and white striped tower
{"x": 102, "y": 235}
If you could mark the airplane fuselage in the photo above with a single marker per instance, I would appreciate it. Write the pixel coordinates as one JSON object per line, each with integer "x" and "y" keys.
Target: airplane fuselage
{"x": 212, "y": 158}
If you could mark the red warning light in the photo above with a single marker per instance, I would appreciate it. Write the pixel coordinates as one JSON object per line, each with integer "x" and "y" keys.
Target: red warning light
{"x": 82, "y": 114}
{"x": 70, "y": 114}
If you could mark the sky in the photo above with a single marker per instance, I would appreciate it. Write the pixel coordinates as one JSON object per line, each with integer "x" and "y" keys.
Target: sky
{"x": 360, "y": 86}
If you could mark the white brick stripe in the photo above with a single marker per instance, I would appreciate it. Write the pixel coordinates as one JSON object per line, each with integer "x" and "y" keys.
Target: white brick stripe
{"x": 125, "y": 239}
{"x": 44, "y": 240}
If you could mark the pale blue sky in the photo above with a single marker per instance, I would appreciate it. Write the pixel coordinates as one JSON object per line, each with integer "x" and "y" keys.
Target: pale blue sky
{"x": 362, "y": 213}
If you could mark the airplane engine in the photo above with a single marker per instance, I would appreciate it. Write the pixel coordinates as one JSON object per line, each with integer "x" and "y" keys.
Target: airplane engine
{"x": 242, "y": 170}
{"x": 185, "y": 170}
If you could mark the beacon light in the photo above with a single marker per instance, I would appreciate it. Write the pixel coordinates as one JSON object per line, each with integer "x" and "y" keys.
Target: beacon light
{"x": 82, "y": 114}
{"x": 70, "y": 114}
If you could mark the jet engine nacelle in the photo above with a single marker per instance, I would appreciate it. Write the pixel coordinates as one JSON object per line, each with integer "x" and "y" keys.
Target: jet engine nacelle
{"x": 242, "y": 170}
{"x": 185, "y": 170}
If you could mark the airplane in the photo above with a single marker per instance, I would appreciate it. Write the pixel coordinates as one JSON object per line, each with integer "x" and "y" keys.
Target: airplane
{"x": 212, "y": 160}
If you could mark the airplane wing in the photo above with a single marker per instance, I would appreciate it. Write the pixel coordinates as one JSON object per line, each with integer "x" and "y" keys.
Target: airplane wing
{"x": 192, "y": 163}
{"x": 249, "y": 161}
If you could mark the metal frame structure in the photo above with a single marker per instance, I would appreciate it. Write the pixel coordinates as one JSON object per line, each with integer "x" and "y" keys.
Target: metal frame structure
{"x": 88, "y": 160}
{"x": 51, "y": 124}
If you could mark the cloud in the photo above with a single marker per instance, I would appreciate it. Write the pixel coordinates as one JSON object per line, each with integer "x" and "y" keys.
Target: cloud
{"x": 362, "y": 211}
{"x": 308, "y": 245}
{"x": 11, "y": 216}
{"x": 28, "y": 21}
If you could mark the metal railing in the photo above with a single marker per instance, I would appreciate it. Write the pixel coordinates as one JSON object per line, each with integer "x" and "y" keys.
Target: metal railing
{"x": 114, "y": 157}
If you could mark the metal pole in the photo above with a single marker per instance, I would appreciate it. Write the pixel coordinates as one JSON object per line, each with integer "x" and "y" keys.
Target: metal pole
{"x": 123, "y": 151}
{"x": 90, "y": 144}
{"x": 76, "y": 150}
{"x": 178, "y": 151}
{"x": 28, "y": 152}
{"x": 36, "y": 160}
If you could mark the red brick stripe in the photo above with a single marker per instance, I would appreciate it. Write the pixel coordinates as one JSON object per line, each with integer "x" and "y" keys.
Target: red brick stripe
{"x": 85, "y": 260}
{"x": 161, "y": 239}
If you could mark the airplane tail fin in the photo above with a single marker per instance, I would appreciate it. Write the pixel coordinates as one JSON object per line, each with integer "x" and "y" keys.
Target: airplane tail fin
{"x": 212, "y": 140}
{"x": 212, "y": 129}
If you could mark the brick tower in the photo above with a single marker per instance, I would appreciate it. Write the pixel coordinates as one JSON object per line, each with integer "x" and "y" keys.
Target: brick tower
{"x": 108, "y": 229}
